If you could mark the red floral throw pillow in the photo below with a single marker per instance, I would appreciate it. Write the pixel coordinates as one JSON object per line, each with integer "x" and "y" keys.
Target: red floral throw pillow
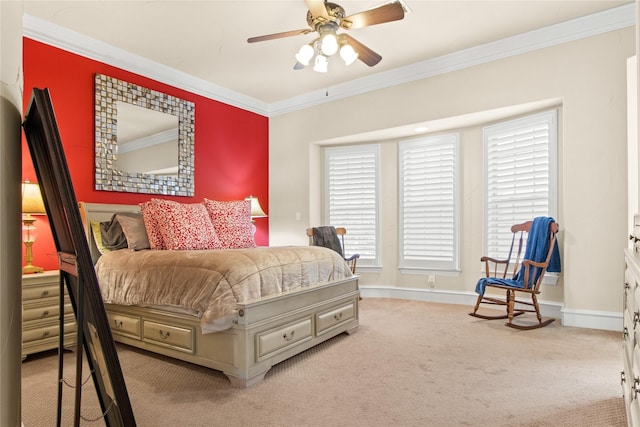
{"x": 185, "y": 226}
{"x": 151, "y": 224}
{"x": 232, "y": 222}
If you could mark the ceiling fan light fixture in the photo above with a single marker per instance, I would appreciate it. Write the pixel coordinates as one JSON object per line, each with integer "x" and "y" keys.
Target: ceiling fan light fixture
{"x": 321, "y": 64}
{"x": 305, "y": 54}
{"x": 347, "y": 54}
{"x": 326, "y": 18}
{"x": 329, "y": 44}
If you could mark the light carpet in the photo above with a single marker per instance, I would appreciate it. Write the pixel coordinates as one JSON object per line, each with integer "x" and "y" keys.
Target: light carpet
{"x": 411, "y": 363}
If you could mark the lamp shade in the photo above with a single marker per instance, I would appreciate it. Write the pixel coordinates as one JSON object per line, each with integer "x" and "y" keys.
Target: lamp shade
{"x": 305, "y": 54}
{"x": 256, "y": 209}
{"x": 321, "y": 64}
{"x": 329, "y": 44}
{"x": 32, "y": 199}
{"x": 347, "y": 54}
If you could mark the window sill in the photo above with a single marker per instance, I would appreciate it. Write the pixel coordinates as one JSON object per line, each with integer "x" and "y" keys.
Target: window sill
{"x": 367, "y": 269}
{"x": 429, "y": 272}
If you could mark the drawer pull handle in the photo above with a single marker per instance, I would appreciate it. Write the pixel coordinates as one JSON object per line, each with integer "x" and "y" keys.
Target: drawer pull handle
{"x": 45, "y": 313}
{"x": 45, "y": 293}
{"x": 117, "y": 324}
{"x": 635, "y": 388}
{"x": 163, "y": 335}
{"x": 288, "y": 337}
{"x": 622, "y": 378}
{"x": 338, "y": 316}
{"x": 626, "y": 285}
{"x": 636, "y": 318}
{"x": 625, "y": 333}
{"x": 45, "y": 334}
{"x": 634, "y": 238}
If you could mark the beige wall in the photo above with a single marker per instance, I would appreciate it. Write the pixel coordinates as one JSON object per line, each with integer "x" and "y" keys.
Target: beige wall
{"x": 587, "y": 76}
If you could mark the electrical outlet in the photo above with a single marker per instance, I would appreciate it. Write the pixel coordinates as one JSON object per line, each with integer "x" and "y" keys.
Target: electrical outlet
{"x": 431, "y": 281}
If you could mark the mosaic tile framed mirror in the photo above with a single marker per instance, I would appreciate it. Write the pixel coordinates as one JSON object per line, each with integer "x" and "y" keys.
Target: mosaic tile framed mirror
{"x": 144, "y": 139}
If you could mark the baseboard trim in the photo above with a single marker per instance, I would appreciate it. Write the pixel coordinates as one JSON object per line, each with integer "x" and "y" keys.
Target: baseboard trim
{"x": 609, "y": 321}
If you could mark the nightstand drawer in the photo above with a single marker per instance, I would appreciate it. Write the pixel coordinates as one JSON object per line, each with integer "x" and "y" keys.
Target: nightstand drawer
{"x": 48, "y": 331}
{"x": 48, "y": 309}
{"x": 40, "y": 333}
{"x": 34, "y": 293}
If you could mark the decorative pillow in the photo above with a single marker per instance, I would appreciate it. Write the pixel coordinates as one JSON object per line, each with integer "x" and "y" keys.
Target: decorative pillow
{"x": 134, "y": 231}
{"x": 112, "y": 235}
{"x": 151, "y": 225}
{"x": 232, "y": 222}
{"x": 185, "y": 226}
{"x": 97, "y": 237}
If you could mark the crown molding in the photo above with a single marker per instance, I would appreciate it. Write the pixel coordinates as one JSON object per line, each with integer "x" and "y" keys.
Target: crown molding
{"x": 575, "y": 29}
{"x": 74, "y": 42}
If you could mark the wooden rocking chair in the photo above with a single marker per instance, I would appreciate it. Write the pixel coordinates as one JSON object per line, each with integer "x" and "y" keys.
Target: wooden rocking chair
{"x": 327, "y": 236}
{"x": 541, "y": 254}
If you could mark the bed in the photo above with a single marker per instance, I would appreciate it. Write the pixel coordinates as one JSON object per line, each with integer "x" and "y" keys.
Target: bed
{"x": 243, "y": 340}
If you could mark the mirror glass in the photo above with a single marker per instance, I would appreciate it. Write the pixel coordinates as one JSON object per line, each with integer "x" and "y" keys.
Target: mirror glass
{"x": 147, "y": 141}
{"x": 144, "y": 140}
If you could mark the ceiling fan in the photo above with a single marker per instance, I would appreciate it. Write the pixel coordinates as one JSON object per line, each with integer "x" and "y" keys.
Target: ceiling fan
{"x": 326, "y": 19}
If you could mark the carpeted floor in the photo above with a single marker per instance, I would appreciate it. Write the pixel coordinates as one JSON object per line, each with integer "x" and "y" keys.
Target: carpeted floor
{"x": 410, "y": 364}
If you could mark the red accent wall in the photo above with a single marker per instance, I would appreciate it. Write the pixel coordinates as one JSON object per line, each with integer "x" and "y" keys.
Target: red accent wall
{"x": 231, "y": 144}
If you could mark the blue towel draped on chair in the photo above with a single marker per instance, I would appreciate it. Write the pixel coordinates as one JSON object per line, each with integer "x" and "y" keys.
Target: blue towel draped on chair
{"x": 536, "y": 250}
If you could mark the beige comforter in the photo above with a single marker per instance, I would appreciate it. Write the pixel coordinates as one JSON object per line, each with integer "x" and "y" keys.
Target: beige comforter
{"x": 212, "y": 282}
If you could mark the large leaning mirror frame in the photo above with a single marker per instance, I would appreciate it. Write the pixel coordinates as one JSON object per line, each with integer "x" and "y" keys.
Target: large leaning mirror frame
{"x": 111, "y": 121}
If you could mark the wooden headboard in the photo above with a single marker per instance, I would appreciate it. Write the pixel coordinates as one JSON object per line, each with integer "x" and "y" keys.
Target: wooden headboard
{"x": 100, "y": 212}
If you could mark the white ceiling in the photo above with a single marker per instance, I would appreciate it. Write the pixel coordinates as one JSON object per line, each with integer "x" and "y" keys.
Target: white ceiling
{"x": 206, "y": 40}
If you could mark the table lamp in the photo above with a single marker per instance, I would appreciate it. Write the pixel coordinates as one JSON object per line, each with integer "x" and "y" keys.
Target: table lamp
{"x": 256, "y": 212}
{"x": 32, "y": 204}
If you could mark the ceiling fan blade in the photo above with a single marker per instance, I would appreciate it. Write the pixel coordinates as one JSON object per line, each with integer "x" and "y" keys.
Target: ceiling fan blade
{"x": 385, "y": 13}
{"x": 317, "y": 8}
{"x": 365, "y": 54}
{"x": 279, "y": 35}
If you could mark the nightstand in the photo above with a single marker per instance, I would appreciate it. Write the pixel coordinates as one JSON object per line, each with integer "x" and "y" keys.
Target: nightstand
{"x": 40, "y": 313}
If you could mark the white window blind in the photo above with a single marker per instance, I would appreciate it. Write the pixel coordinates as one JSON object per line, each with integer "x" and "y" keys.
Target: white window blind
{"x": 520, "y": 176}
{"x": 429, "y": 208}
{"x": 351, "y": 193}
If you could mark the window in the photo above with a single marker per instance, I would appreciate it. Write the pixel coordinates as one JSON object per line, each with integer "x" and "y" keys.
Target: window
{"x": 520, "y": 158}
{"x": 351, "y": 192}
{"x": 429, "y": 209}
